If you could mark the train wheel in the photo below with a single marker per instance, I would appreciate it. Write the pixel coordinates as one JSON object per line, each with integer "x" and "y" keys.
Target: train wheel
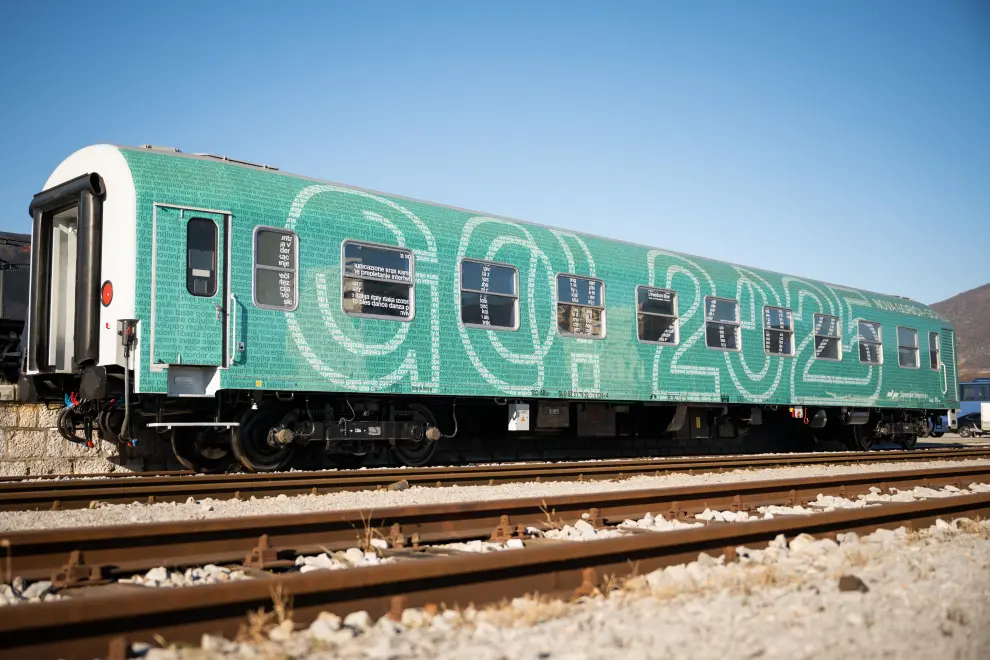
{"x": 201, "y": 450}
{"x": 908, "y": 441}
{"x": 859, "y": 439}
{"x": 250, "y": 442}
{"x": 415, "y": 454}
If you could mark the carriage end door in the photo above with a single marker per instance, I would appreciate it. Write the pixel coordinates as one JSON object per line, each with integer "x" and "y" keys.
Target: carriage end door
{"x": 188, "y": 285}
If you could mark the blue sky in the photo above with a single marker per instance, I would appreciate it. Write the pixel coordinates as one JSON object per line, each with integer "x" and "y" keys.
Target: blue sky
{"x": 843, "y": 141}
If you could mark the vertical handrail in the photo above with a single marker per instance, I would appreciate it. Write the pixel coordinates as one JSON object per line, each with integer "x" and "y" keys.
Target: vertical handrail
{"x": 233, "y": 328}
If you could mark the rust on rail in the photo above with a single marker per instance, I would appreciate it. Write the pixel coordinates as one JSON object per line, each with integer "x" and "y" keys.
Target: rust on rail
{"x": 124, "y": 549}
{"x": 84, "y": 627}
{"x": 119, "y": 489}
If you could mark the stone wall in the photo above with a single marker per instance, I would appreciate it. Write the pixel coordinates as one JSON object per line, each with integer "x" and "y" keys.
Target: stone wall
{"x": 30, "y": 444}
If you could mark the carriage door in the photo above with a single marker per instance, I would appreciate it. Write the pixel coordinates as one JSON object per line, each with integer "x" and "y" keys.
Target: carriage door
{"x": 188, "y": 287}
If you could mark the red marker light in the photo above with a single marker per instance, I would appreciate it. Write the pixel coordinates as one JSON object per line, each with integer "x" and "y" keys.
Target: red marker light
{"x": 106, "y": 294}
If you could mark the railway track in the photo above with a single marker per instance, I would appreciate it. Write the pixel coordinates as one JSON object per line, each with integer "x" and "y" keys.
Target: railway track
{"x": 46, "y": 494}
{"x": 102, "y": 553}
{"x": 85, "y": 627}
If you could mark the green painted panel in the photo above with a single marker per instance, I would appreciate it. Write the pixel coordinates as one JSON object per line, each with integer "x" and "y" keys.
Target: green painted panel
{"x": 318, "y": 347}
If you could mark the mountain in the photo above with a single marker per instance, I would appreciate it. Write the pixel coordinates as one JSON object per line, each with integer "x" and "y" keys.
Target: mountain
{"x": 970, "y": 314}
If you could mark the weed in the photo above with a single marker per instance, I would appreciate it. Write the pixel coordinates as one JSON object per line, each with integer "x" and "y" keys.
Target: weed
{"x": 260, "y": 622}
{"x": 367, "y": 534}
{"x": 552, "y": 520}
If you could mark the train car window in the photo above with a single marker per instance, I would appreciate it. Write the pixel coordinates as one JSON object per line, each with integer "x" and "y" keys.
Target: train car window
{"x": 201, "y": 257}
{"x": 934, "y": 359}
{"x": 656, "y": 315}
{"x": 377, "y": 281}
{"x": 828, "y": 337}
{"x": 778, "y": 331}
{"x": 973, "y": 392}
{"x": 276, "y": 269}
{"x": 489, "y": 295}
{"x": 580, "y": 307}
{"x": 722, "y": 323}
{"x": 870, "y": 344}
{"x": 907, "y": 348}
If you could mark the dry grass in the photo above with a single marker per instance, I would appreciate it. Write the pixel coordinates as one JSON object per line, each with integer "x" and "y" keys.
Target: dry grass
{"x": 552, "y": 520}
{"x": 260, "y": 622}
{"x": 976, "y": 526}
{"x": 367, "y": 534}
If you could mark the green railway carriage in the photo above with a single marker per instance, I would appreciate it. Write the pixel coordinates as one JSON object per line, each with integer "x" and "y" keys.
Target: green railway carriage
{"x": 239, "y": 308}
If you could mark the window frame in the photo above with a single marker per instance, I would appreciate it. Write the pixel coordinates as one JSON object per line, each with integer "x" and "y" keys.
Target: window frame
{"x": 916, "y": 347}
{"x": 676, "y": 316}
{"x": 215, "y": 270}
{"x": 978, "y": 390}
{"x": 937, "y": 353}
{"x": 791, "y": 332}
{"x": 838, "y": 326}
{"x": 461, "y": 289}
{"x": 879, "y": 344}
{"x": 557, "y": 303}
{"x": 737, "y": 324}
{"x": 255, "y": 266}
{"x": 411, "y": 283}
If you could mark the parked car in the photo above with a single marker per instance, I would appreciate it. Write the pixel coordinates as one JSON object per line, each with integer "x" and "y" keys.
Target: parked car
{"x": 969, "y": 425}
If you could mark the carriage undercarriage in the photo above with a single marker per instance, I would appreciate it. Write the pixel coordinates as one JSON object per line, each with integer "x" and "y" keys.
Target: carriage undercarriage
{"x": 270, "y": 432}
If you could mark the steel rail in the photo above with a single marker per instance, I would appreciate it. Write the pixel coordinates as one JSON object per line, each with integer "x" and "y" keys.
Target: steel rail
{"x": 879, "y": 455}
{"x": 87, "y": 627}
{"x": 116, "y": 550}
{"x": 79, "y": 493}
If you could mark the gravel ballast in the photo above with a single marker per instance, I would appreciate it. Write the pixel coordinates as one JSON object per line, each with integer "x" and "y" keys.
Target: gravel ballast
{"x": 374, "y": 501}
{"x": 889, "y": 594}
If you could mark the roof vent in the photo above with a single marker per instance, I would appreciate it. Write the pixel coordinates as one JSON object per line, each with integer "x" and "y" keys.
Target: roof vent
{"x": 155, "y": 147}
{"x": 238, "y": 162}
{"x": 902, "y": 297}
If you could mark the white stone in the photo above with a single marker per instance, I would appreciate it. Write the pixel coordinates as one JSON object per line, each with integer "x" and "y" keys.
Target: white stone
{"x": 802, "y": 543}
{"x": 37, "y": 590}
{"x": 584, "y": 528}
{"x": 385, "y": 626}
{"x": 359, "y": 621}
{"x": 158, "y": 574}
{"x": 330, "y": 619}
{"x": 212, "y": 643}
{"x": 514, "y": 544}
{"x": 7, "y": 595}
{"x": 413, "y": 617}
{"x": 281, "y": 632}
{"x": 354, "y": 556}
{"x": 381, "y": 544}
